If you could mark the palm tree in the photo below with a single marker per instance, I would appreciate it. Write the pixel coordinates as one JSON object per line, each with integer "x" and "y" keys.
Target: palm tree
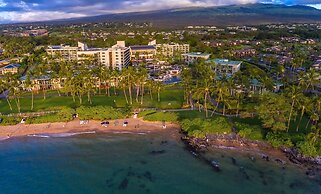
{"x": 9, "y": 85}
{"x": 123, "y": 84}
{"x": 128, "y": 75}
{"x": 221, "y": 92}
{"x": 205, "y": 90}
{"x": 304, "y": 104}
{"x": 89, "y": 85}
{"x": 143, "y": 77}
{"x": 14, "y": 90}
{"x": 311, "y": 79}
{"x": 313, "y": 118}
{"x": 187, "y": 80}
{"x": 29, "y": 84}
{"x": 158, "y": 86}
{"x": 295, "y": 94}
{"x": 115, "y": 76}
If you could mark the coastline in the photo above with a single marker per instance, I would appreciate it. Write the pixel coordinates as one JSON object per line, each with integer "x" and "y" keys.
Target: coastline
{"x": 197, "y": 146}
{"x": 255, "y": 150}
{"x": 134, "y": 126}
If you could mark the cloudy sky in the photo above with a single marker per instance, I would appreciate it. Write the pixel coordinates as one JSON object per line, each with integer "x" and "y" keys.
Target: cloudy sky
{"x": 36, "y": 10}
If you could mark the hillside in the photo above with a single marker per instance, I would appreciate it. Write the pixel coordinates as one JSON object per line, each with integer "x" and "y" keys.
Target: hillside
{"x": 224, "y": 15}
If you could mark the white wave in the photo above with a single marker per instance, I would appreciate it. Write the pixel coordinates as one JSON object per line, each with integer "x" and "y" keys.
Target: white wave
{"x": 57, "y": 135}
{"x": 72, "y": 134}
{"x": 39, "y": 135}
{"x": 129, "y": 132}
{"x": 4, "y": 138}
{"x": 123, "y": 132}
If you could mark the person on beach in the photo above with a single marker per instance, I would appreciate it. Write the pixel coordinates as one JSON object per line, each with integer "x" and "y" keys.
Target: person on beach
{"x": 164, "y": 125}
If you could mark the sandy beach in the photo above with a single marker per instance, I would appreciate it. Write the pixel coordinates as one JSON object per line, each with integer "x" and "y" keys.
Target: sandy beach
{"x": 134, "y": 125}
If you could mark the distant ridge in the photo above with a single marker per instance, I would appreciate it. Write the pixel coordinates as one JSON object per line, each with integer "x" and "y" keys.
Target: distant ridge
{"x": 249, "y": 14}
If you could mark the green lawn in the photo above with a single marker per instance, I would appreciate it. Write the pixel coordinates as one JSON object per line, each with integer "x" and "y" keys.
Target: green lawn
{"x": 193, "y": 114}
{"x": 171, "y": 98}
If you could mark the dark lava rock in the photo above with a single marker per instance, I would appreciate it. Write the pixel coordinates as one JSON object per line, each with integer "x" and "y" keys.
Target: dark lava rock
{"x": 124, "y": 184}
{"x": 148, "y": 176}
{"x": 157, "y": 152}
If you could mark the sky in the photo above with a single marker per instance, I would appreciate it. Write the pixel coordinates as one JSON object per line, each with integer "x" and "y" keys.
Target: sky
{"x": 40, "y": 10}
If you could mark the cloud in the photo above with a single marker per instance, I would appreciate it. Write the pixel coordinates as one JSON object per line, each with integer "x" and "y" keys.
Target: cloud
{"x": 35, "y": 10}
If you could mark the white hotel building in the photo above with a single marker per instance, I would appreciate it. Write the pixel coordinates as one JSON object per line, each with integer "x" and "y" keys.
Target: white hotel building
{"x": 117, "y": 57}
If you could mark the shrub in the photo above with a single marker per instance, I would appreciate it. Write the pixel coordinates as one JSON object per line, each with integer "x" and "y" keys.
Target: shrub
{"x": 99, "y": 113}
{"x": 145, "y": 113}
{"x": 64, "y": 115}
{"x": 201, "y": 127}
{"x": 162, "y": 116}
{"x": 306, "y": 148}
{"x": 10, "y": 120}
{"x": 278, "y": 140}
{"x": 252, "y": 132}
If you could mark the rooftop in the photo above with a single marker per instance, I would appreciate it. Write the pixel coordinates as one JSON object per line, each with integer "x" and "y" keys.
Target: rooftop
{"x": 197, "y": 54}
{"x": 142, "y": 47}
{"x": 39, "y": 78}
{"x": 11, "y": 66}
{"x": 225, "y": 62}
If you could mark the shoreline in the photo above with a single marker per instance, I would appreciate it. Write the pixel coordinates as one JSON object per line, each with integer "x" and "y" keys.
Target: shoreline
{"x": 255, "y": 149}
{"x": 51, "y": 129}
{"x": 197, "y": 146}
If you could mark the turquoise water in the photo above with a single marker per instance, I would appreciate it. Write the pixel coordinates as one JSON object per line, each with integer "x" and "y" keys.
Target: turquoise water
{"x": 133, "y": 163}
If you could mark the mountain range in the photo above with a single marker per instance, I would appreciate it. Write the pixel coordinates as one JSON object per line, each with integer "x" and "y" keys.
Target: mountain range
{"x": 249, "y": 14}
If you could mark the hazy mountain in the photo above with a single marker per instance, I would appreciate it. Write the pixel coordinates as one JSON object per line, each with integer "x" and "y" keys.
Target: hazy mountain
{"x": 223, "y": 15}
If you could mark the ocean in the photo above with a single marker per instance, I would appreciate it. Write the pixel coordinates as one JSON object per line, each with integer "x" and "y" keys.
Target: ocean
{"x": 138, "y": 164}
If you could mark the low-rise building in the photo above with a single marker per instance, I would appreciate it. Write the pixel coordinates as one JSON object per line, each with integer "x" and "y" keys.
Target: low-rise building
{"x": 10, "y": 69}
{"x": 41, "y": 83}
{"x": 65, "y": 52}
{"x": 225, "y": 66}
{"x": 246, "y": 52}
{"x": 193, "y": 57}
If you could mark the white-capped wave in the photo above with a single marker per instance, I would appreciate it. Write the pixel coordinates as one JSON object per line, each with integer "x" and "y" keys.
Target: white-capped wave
{"x": 39, "y": 135}
{"x": 57, "y": 135}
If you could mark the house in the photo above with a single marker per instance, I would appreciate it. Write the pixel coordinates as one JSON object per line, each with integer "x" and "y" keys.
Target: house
{"x": 225, "y": 66}
{"x": 246, "y": 52}
{"x": 317, "y": 65}
{"x": 193, "y": 57}
{"x": 10, "y": 69}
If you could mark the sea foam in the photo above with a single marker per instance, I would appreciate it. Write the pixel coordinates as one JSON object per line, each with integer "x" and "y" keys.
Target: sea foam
{"x": 57, "y": 135}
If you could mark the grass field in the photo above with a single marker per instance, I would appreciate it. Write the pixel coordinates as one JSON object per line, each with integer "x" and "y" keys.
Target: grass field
{"x": 171, "y": 98}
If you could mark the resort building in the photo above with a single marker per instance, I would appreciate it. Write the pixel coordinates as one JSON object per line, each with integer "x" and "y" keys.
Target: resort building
{"x": 66, "y": 52}
{"x": 190, "y": 58}
{"x": 225, "y": 66}
{"x": 171, "y": 49}
{"x": 90, "y": 54}
{"x": 142, "y": 52}
{"x": 118, "y": 56}
{"x": 10, "y": 69}
{"x": 42, "y": 83}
